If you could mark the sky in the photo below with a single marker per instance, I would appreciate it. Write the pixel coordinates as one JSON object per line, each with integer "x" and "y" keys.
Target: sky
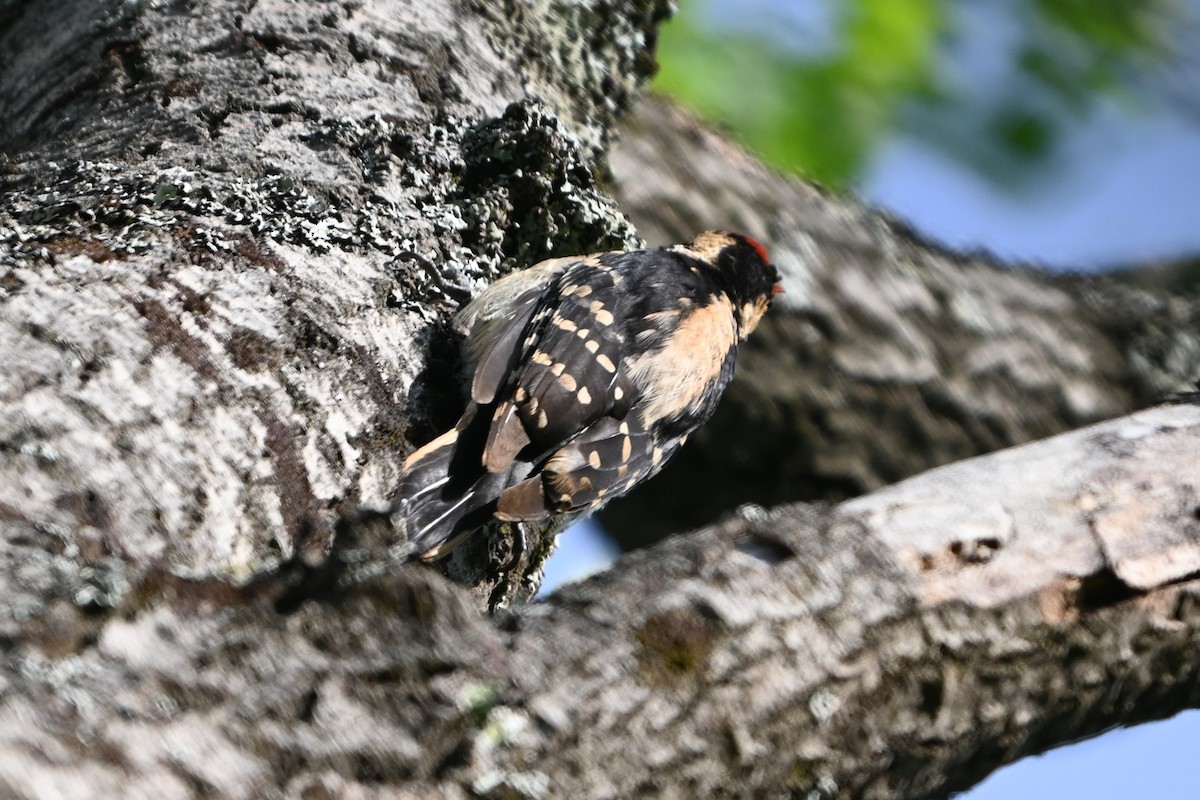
{"x": 1125, "y": 190}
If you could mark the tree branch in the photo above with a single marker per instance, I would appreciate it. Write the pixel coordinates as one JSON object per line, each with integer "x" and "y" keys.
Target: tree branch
{"x": 898, "y": 645}
{"x": 888, "y": 355}
{"x": 229, "y": 244}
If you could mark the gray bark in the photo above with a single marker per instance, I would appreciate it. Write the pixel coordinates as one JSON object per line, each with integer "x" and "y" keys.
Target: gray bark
{"x": 898, "y": 645}
{"x": 888, "y": 355}
{"x": 231, "y": 237}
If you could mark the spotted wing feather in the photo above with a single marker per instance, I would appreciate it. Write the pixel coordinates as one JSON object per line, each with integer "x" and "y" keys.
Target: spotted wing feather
{"x": 566, "y": 369}
{"x": 604, "y": 461}
{"x": 496, "y": 320}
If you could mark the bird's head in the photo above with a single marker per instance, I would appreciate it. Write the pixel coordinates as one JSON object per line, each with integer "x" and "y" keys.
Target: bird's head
{"x": 750, "y": 278}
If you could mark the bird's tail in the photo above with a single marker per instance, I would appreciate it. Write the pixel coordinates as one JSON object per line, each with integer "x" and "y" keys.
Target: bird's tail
{"x": 439, "y": 508}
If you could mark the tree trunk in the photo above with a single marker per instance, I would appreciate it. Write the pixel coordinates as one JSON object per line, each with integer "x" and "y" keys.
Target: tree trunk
{"x": 231, "y": 240}
{"x": 233, "y": 237}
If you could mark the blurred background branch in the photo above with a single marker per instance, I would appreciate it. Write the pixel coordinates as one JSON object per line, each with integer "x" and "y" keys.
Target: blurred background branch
{"x": 817, "y": 87}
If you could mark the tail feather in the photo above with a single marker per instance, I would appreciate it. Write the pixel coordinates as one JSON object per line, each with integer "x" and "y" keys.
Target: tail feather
{"x": 436, "y": 536}
{"x": 445, "y": 495}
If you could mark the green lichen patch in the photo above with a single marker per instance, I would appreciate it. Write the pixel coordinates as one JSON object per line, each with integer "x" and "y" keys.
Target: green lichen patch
{"x": 527, "y": 193}
{"x": 106, "y": 210}
{"x": 586, "y": 59}
{"x": 675, "y": 647}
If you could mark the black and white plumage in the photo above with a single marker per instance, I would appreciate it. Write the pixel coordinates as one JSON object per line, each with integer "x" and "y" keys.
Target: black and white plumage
{"x": 588, "y": 373}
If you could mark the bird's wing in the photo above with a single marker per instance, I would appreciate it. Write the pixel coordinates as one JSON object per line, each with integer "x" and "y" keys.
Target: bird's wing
{"x": 607, "y": 459}
{"x": 495, "y": 320}
{"x": 565, "y": 367}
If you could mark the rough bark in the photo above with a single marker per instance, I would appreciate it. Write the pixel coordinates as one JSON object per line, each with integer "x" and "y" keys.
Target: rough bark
{"x": 231, "y": 237}
{"x": 887, "y": 355}
{"x": 898, "y": 645}
{"x": 233, "y": 233}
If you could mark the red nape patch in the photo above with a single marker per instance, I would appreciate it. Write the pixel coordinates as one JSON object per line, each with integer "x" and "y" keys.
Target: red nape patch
{"x": 758, "y": 248}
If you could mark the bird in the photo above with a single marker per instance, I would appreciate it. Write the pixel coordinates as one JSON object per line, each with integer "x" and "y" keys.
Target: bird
{"x": 587, "y": 374}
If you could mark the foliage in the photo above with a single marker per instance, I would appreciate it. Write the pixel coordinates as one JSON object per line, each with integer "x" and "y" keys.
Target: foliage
{"x": 817, "y": 95}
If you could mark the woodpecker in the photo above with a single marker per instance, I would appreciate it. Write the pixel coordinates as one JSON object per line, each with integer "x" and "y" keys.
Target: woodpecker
{"x": 587, "y": 374}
